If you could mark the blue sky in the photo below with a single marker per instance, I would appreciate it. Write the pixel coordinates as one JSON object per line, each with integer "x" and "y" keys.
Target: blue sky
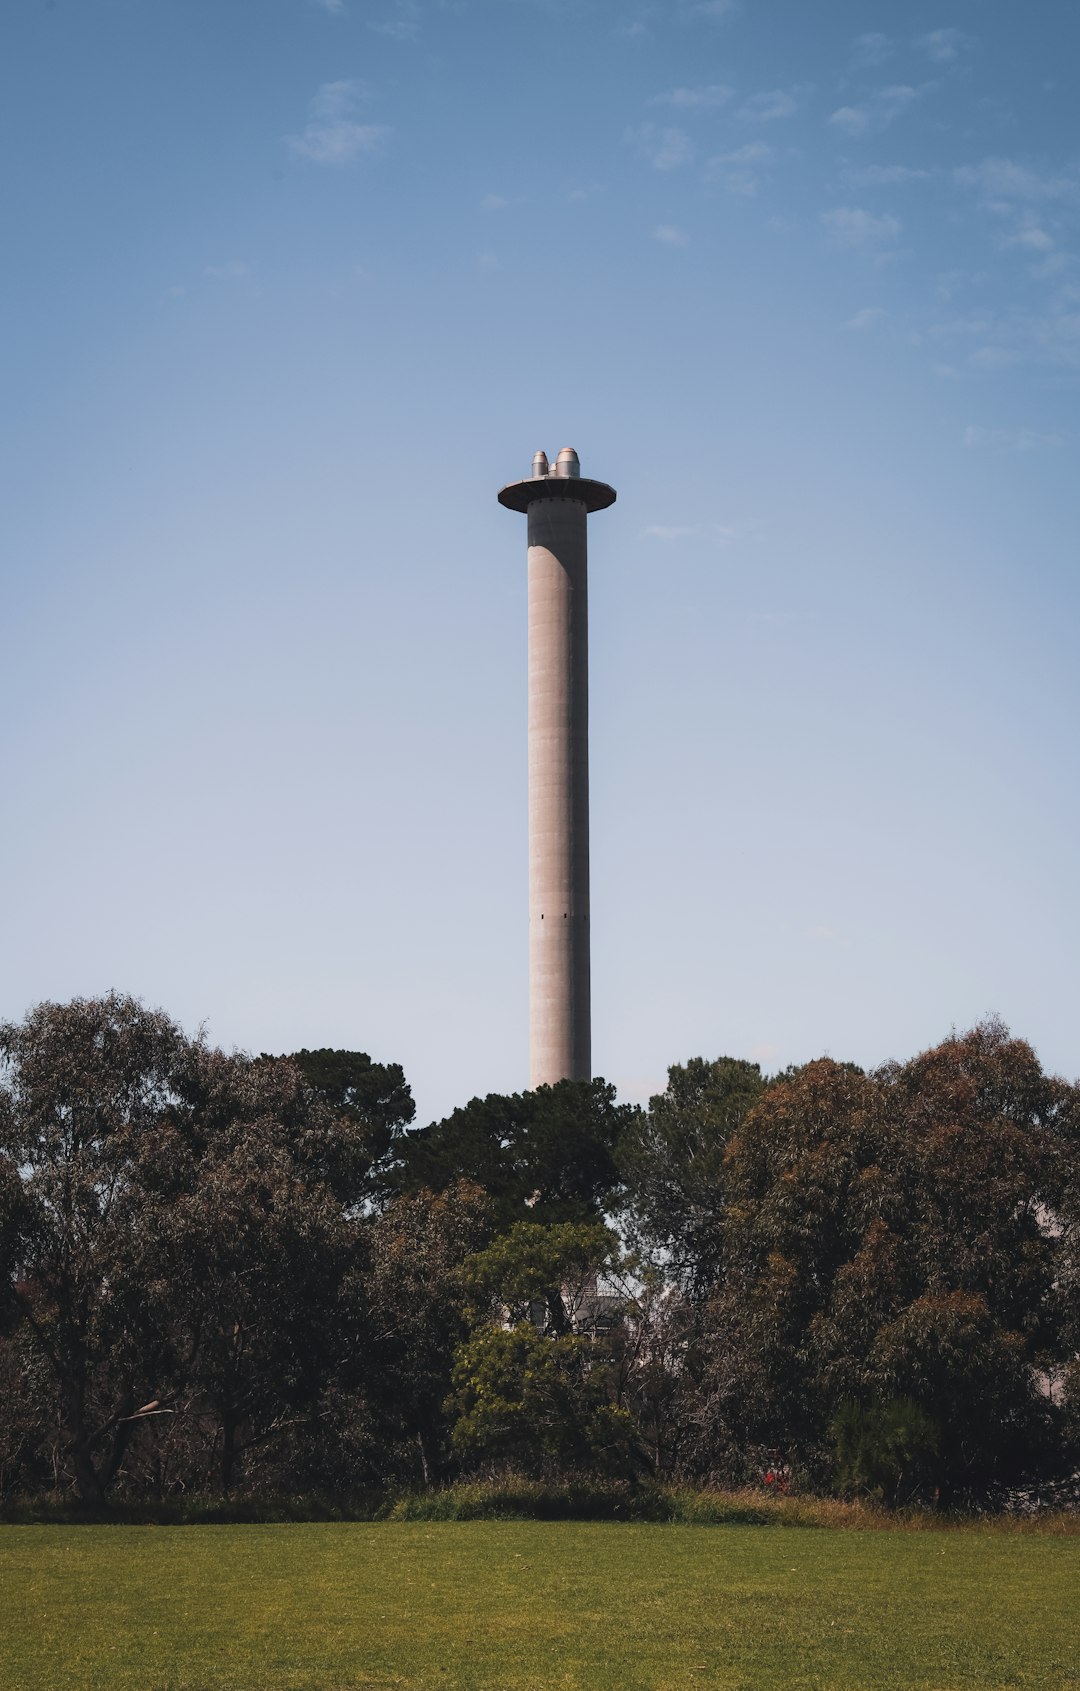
{"x": 292, "y": 286}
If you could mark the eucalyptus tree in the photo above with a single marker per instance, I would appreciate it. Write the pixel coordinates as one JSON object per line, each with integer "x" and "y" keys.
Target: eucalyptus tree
{"x": 895, "y": 1237}
{"x": 84, "y": 1089}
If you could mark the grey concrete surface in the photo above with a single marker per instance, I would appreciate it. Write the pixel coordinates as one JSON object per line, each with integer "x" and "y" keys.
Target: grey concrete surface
{"x": 560, "y": 1022}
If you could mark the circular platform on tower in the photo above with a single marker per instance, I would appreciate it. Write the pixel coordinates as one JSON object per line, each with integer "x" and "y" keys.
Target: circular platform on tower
{"x": 594, "y": 495}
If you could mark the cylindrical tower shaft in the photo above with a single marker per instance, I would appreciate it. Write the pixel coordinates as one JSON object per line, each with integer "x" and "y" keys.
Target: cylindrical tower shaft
{"x": 558, "y": 500}
{"x": 560, "y": 1023}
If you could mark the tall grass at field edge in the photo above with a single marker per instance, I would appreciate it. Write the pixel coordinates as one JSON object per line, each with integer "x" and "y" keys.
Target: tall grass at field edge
{"x": 516, "y": 1499}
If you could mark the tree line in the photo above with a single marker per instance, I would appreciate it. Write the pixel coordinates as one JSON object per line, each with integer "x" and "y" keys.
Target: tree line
{"x": 224, "y": 1272}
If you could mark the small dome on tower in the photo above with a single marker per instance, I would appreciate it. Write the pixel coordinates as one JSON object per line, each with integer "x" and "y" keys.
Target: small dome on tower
{"x": 540, "y": 464}
{"x": 568, "y": 463}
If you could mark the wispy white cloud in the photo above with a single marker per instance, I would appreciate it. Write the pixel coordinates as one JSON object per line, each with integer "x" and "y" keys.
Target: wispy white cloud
{"x": 335, "y": 7}
{"x": 879, "y": 109}
{"x": 850, "y": 226}
{"x": 337, "y": 99}
{"x": 338, "y": 143}
{"x": 233, "y": 271}
{"x": 995, "y": 358}
{"x": 964, "y": 326}
{"x": 942, "y": 45}
{"x": 870, "y": 49}
{"x": 899, "y": 97}
{"x": 887, "y": 175}
{"x": 868, "y": 318}
{"x": 1052, "y": 266}
{"x": 402, "y": 25}
{"x": 1048, "y": 335}
{"x": 952, "y": 282}
{"x": 740, "y": 171}
{"x": 1031, "y": 235}
{"x": 721, "y": 534}
{"x": 1007, "y": 440}
{"x": 332, "y": 136}
{"x": 853, "y": 120}
{"x": 691, "y": 99}
{"x": 665, "y": 148}
{"x": 1032, "y": 209}
{"x": 714, "y": 9}
{"x": 768, "y": 107}
{"x": 1000, "y": 179}
{"x": 494, "y": 202}
{"x": 670, "y": 235}
{"x": 1055, "y": 333}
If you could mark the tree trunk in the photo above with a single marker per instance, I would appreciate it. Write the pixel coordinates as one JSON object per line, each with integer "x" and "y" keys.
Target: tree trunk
{"x": 423, "y": 1458}
{"x": 228, "y": 1452}
{"x": 88, "y": 1484}
{"x": 87, "y": 1480}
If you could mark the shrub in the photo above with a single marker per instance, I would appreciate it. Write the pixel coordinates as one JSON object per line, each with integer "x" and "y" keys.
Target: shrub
{"x": 885, "y": 1450}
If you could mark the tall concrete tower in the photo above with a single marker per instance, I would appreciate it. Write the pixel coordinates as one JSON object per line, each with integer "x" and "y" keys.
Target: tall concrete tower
{"x": 557, "y": 502}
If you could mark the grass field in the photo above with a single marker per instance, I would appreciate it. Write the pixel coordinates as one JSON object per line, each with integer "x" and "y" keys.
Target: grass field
{"x": 528, "y": 1606}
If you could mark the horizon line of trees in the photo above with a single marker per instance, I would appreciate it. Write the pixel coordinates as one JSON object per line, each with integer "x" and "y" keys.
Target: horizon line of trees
{"x": 223, "y": 1272}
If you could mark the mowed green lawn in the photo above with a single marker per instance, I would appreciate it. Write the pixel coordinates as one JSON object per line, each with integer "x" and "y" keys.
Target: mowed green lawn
{"x": 523, "y": 1606}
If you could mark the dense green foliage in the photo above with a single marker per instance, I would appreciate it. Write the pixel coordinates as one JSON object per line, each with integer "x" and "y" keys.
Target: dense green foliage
{"x": 223, "y": 1273}
{"x": 375, "y": 1096}
{"x": 551, "y": 1152}
{"x": 529, "y": 1606}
